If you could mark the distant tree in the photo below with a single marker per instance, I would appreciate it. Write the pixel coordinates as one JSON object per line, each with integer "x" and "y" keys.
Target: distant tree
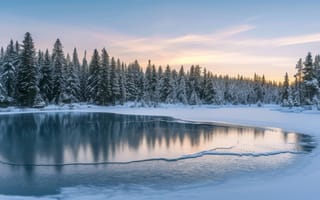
{"x": 286, "y": 97}
{"x": 298, "y": 83}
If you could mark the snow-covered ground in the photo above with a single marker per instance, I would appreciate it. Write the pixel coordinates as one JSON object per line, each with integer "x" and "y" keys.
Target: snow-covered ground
{"x": 300, "y": 182}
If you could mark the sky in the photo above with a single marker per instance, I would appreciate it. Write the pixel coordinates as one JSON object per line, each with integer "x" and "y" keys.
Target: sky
{"x": 225, "y": 36}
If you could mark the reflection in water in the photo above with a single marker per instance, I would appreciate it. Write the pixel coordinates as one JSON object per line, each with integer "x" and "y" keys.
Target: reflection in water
{"x": 27, "y": 140}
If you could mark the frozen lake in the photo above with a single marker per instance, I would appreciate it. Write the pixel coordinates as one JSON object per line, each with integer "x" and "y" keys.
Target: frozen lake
{"x": 43, "y": 153}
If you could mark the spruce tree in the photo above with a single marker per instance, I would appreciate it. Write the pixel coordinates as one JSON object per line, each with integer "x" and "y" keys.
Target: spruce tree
{"x": 76, "y": 74}
{"x": 155, "y": 86}
{"x": 115, "y": 83}
{"x": 46, "y": 78}
{"x": 104, "y": 92}
{"x": 94, "y": 77}
{"x": 123, "y": 82}
{"x": 285, "y": 91}
{"x": 310, "y": 83}
{"x": 84, "y": 78}
{"x": 181, "y": 87}
{"x": 147, "y": 89}
{"x": 72, "y": 83}
{"x": 169, "y": 94}
{"x": 9, "y": 72}
{"x": 27, "y": 78}
{"x": 58, "y": 63}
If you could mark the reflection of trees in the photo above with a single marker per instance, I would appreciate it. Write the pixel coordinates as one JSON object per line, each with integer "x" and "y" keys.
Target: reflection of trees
{"x": 24, "y": 138}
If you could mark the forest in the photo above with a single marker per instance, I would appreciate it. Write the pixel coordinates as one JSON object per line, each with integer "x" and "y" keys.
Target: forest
{"x": 36, "y": 78}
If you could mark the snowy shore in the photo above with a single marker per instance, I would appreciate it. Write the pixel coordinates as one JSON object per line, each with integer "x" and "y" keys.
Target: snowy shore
{"x": 300, "y": 182}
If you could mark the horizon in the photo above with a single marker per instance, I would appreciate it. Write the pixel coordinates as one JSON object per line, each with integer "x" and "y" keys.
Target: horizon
{"x": 241, "y": 38}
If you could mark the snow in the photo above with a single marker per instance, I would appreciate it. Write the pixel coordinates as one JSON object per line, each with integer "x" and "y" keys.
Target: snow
{"x": 299, "y": 182}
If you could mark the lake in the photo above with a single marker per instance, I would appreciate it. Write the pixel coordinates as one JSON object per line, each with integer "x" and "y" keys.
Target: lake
{"x": 42, "y": 153}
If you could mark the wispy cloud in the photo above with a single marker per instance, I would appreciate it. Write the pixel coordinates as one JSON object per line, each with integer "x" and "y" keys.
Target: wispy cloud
{"x": 301, "y": 39}
{"x": 211, "y": 37}
{"x": 229, "y": 50}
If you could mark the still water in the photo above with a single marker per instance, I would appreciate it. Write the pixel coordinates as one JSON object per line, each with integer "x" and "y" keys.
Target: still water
{"x": 42, "y": 153}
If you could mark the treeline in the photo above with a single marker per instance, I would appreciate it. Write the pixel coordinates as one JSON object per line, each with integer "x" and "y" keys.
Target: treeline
{"x": 34, "y": 79}
{"x": 305, "y": 90}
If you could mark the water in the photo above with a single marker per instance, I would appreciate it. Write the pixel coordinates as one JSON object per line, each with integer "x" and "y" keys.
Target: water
{"x": 44, "y": 152}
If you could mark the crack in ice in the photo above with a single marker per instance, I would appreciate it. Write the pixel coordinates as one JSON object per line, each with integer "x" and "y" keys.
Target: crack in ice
{"x": 209, "y": 152}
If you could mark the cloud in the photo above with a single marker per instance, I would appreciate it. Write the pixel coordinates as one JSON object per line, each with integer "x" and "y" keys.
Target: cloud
{"x": 301, "y": 39}
{"x": 211, "y": 37}
{"x": 229, "y": 50}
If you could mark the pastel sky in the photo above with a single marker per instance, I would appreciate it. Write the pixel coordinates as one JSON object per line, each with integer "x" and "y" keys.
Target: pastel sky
{"x": 227, "y": 36}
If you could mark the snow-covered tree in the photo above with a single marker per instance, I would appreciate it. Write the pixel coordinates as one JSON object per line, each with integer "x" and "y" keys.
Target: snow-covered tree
{"x": 94, "y": 77}
{"x": 58, "y": 64}
{"x": 123, "y": 82}
{"x": 72, "y": 87}
{"x": 104, "y": 91}
{"x": 84, "y": 78}
{"x": 9, "y": 71}
{"x": 297, "y": 93}
{"x": 46, "y": 78}
{"x": 310, "y": 83}
{"x": 286, "y": 97}
{"x": 134, "y": 81}
{"x": 115, "y": 83}
{"x": 181, "y": 87}
{"x": 168, "y": 90}
{"x": 27, "y": 78}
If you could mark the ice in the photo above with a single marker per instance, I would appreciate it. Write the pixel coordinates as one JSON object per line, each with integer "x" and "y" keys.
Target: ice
{"x": 299, "y": 182}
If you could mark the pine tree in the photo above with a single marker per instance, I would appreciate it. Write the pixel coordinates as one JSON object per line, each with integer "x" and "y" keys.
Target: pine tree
{"x": 317, "y": 68}
{"x": 298, "y": 82}
{"x": 1, "y": 55}
{"x": 114, "y": 76}
{"x": 194, "y": 85}
{"x": 310, "y": 83}
{"x": 181, "y": 87}
{"x": 286, "y": 92}
{"x": 58, "y": 63}
{"x": 72, "y": 84}
{"x": 169, "y": 94}
{"x": 75, "y": 61}
{"x": 76, "y": 74}
{"x": 165, "y": 88}
{"x": 147, "y": 89}
{"x": 83, "y": 78}
{"x": 46, "y": 79}
{"x": 27, "y": 79}
{"x": 123, "y": 82}
{"x": 104, "y": 94}
{"x": 94, "y": 77}
{"x": 133, "y": 81}
{"x": 210, "y": 94}
{"x": 155, "y": 87}
{"x": 9, "y": 71}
